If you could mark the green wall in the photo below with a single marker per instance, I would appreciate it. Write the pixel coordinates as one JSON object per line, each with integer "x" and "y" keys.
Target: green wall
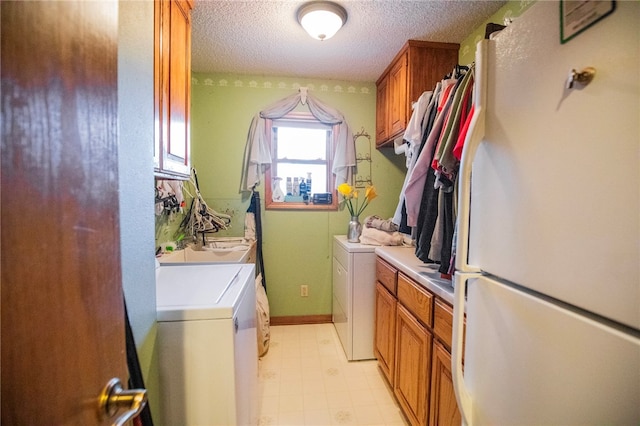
{"x": 512, "y": 9}
{"x": 296, "y": 244}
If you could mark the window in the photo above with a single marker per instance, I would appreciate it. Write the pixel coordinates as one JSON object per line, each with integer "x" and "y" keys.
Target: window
{"x": 301, "y": 147}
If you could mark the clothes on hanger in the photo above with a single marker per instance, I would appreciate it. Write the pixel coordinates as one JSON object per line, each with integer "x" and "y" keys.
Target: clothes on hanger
{"x": 254, "y": 208}
{"x": 427, "y": 203}
{"x": 414, "y": 141}
{"x": 136, "y": 381}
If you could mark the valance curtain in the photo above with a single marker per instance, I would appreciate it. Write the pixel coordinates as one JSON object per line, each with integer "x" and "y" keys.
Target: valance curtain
{"x": 257, "y": 152}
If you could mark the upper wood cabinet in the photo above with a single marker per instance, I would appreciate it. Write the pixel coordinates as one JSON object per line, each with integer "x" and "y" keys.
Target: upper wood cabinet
{"x": 382, "y": 90}
{"x": 397, "y": 97}
{"x": 172, "y": 88}
{"x": 416, "y": 68}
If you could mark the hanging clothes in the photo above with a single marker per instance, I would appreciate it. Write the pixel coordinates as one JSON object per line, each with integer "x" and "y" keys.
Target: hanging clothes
{"x": 457, "y": 150}
{"x": 427, "y": 217}
{"x": 435, "y": 237}
{"x": 413, "y": 138}
{"x": 426, "y": 130}
{"x": 444, "y": 160}
{"x": 427, "y": 203}
{"x": 447, "y": 228}
{"x": 253, "y": 231}
{"x": 416, "y": 183}
{"x": 136, "y": 380}
{"x": 254, "y": 208}
{"x": 413, "y": 133}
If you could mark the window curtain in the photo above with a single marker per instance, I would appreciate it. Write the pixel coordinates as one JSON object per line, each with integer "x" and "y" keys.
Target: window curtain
{"x": 257, "y": 152}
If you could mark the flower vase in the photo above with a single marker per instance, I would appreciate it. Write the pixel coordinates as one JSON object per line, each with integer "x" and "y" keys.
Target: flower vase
{"x": 354, "y": 230}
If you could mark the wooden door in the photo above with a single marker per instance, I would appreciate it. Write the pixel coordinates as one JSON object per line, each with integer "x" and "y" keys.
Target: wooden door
{"x": 443, "y": 409}
{"x": 179, "y": 84}
{"x": 172, "y": 80}
{"x": 382, "y": 111}
{"x": 413, "y": 366}
{"x": 385, "y": 331}
{"x": 63, "y": 333}
{"x": 398, "y": 97}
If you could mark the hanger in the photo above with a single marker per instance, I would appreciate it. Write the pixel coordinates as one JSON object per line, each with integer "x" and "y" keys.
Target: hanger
{"x": 457, "y": 71}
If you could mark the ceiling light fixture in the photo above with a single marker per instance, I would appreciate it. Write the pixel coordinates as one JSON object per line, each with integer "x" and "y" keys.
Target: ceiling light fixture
{"x": 322, "y": 19}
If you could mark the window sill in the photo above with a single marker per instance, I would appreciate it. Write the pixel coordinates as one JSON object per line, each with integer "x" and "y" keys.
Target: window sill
{"x": 300, "y": 206}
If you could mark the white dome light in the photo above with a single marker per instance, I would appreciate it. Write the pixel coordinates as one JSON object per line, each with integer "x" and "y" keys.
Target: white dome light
{"x": 322, "y": 19}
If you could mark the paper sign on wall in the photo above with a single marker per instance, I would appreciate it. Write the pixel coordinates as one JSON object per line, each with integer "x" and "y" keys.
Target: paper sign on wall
{"x": 577, "y": 16}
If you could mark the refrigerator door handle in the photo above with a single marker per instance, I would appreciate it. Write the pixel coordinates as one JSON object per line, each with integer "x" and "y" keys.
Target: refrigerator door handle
{"x": 465, "y": 402}
{"x": 474, "y": 136}
{"x": 465, "y": 271}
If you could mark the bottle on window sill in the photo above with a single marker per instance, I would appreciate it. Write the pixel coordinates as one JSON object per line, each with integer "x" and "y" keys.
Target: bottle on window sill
{"x": 289, "y": 186}
{"x": 277, "y": 194}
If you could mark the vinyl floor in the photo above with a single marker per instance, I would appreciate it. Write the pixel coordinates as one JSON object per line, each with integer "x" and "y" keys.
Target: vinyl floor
{"x": 305, "y": 379}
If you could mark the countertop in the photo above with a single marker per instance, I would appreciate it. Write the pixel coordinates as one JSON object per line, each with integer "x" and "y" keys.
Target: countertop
{"x": 354, "y": 247}
{"x": 427, "y": 275}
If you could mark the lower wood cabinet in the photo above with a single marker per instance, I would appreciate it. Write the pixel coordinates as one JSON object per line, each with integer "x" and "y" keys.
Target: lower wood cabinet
{"x": 412, "y": 344}
{"x": 385, "y": 331}
{"x": 443, "y": 406}
{"x": 413, "y": 366}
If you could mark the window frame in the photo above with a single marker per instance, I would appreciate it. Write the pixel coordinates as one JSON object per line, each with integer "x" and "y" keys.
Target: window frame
{"x": 300, "y": 117}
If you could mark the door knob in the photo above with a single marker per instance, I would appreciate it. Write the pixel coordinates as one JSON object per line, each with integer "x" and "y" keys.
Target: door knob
{"x": 114, "y": 397}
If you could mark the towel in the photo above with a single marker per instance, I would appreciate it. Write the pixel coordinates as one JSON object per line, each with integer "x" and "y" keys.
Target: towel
{"x": 378, "y": 223}
{"x": 376, "y": 237}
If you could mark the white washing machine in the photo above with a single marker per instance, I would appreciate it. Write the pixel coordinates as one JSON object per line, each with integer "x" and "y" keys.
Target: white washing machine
{"x": 208, "y": 355}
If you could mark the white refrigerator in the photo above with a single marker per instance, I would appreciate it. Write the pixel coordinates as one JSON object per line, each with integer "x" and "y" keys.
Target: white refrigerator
{"x": 548, "y": 246}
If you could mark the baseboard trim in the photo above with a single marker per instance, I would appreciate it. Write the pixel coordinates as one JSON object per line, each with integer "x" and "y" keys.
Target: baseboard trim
{"x": 300, "y": 319}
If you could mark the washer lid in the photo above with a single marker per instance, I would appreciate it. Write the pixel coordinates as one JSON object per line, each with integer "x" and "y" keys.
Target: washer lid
{"x": 199, "y": 291}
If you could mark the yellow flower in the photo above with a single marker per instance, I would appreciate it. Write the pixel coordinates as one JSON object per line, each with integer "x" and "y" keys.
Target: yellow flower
{"x": 345, "y": 190}
{"x": 370, "y": 193}
{"x": 349, "y": 194}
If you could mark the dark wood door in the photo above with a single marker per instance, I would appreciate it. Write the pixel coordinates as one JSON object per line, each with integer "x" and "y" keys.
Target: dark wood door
{"x": 62, "y": 304}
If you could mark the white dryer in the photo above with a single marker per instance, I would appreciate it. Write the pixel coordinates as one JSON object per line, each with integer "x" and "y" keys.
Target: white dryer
{"x": 208, "y": 356}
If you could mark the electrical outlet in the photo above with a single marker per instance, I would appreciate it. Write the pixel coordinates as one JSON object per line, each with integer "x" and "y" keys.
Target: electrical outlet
{"x": 304, "y": 290}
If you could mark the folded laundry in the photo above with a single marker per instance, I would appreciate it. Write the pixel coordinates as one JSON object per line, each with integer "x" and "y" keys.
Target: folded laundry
{"x": 377, "y": 237}
{"x": 378, "y": 223}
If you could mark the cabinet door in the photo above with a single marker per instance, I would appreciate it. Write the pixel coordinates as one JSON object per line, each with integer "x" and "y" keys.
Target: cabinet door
{"x": 413, "y": 364}
{"x": 382, "y": 111}
{"x": 398, "y": 97}
{"x": 385, "y": 332}
{"x": 172, "y": 77}
{"x": 159, "y": 71}
{"x": 177, "y": 146}
{"x": 444, "y": 407}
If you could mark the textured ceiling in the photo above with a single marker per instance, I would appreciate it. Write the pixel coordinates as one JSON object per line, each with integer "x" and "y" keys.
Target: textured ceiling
{"x": 263, "y": 37}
